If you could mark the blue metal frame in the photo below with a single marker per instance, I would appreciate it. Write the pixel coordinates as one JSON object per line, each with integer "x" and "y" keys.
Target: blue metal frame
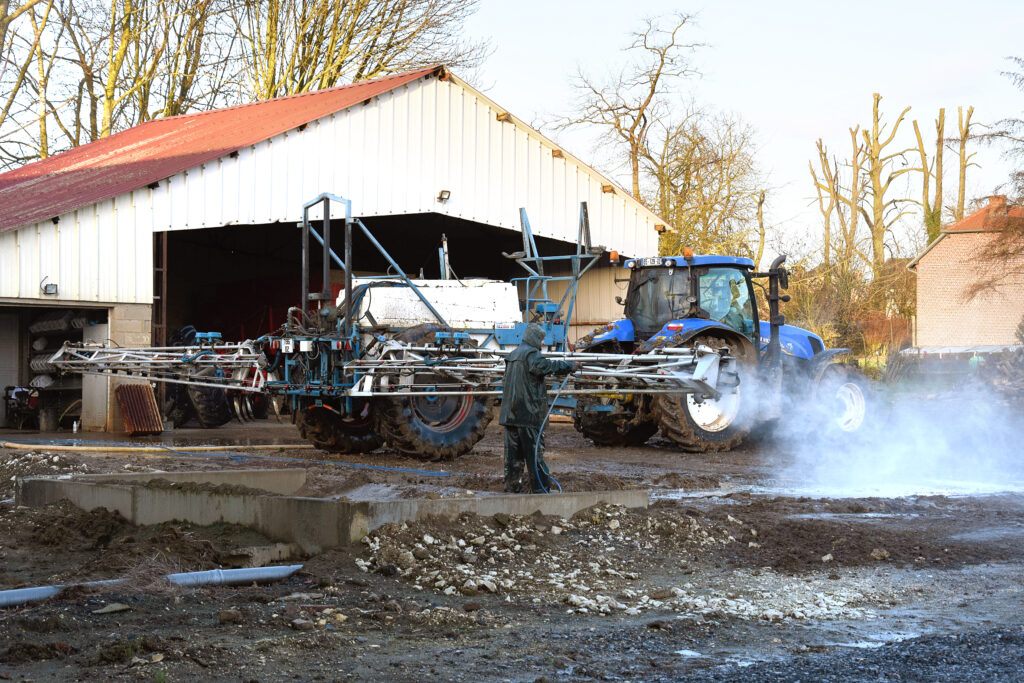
{"x": 321, "y": 368}
{"x": 555, "y": 317}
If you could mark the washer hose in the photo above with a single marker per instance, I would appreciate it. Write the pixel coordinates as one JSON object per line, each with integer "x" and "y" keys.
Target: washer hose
{"x": 541, "y": 467}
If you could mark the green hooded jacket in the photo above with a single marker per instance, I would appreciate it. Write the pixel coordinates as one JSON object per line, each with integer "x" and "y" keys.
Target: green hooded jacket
{"x": 524, "y": 401}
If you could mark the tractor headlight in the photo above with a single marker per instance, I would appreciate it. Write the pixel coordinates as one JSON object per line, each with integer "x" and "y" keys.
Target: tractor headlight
{"x": 668, "y": 262}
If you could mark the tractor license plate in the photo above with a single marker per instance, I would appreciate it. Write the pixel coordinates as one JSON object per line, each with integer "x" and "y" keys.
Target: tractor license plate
{"x": 650, "y": 261}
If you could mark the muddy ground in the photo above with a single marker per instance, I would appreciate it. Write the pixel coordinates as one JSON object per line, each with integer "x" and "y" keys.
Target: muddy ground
{"x": 734, "y": 573}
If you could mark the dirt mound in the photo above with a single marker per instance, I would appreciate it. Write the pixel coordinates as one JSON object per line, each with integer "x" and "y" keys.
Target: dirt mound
{"x": 61, "y": 543}
{"x": 687, "y": 482}
{"x": 70, "y": 528}
{"x": 199, "y": 487}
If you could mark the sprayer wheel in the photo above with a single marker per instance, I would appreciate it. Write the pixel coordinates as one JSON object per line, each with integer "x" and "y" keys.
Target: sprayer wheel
{"x": 709, "y": 426}
{"x": 211, "y": 404}
{"x": 329, "y": 431}
{"x": 177, "y": 405}
{"x": 613, "y": 429}
{"x": 432, "y": 428}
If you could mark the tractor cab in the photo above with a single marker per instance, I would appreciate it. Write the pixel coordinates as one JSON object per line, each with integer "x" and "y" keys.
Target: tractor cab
{"x": 665, "y": 290}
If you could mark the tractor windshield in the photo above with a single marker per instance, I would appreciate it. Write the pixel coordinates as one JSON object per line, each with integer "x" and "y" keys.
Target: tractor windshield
{"x": 725, "y": 297}
{"x": 656, "y": 296}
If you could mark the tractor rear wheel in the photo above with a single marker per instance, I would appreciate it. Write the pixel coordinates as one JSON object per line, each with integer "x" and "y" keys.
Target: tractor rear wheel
{"x": 329, "y": 431}
{"x": 432, "y": 427}
{"x": 710, "y": 425}
{"x": 619, "y": 428}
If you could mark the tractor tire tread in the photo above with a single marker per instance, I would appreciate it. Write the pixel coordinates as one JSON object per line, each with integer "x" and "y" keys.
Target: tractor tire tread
{"x": 672, "y": 417}
{"x": 325, "y": 429}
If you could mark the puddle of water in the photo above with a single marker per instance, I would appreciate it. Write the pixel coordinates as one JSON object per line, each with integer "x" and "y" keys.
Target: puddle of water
{"x": 996, "y": 533}
{"x": 688, "y": 653}
{"x": 854, "y": 516}
{"x": 879, "y": 639}
{"x": 938, "y": 488}
{"x": 381, "y": 491}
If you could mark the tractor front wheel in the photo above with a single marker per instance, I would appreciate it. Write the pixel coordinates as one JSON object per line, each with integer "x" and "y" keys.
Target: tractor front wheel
{"x": 707, "y": 425}
{"x": 843, "y": 396}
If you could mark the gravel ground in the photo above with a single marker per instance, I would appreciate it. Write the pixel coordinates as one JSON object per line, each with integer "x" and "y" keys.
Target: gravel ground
{"x": 728, "y": 576}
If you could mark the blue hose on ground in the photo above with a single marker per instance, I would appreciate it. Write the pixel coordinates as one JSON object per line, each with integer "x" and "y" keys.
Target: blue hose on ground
{"x": 542, "y": 467}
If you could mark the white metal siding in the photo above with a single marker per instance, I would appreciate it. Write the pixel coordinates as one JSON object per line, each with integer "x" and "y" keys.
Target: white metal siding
{"x": 390, "y": 157}
{"x": 100, "y": 253}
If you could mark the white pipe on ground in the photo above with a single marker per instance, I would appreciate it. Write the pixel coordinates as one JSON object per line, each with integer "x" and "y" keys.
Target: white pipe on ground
{"x": 215, "y": 577}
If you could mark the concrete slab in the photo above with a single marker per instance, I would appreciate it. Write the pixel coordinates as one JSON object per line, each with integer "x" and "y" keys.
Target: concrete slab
{"x": 314, "y": 524}
{"x": 282, "y": 481}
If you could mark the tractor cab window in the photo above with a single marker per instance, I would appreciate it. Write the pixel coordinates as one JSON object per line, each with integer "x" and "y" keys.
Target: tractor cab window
{"x": 725, "y": 297}
{"x": 657, "y": 296}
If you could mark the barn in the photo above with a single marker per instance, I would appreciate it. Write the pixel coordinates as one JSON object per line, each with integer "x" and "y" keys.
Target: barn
{"x": 191, "y": 220}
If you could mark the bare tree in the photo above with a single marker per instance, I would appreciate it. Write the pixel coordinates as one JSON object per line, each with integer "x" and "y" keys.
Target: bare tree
{"x": 841, "y": 193}
{"x": 293, "y": 46}
{"x": 15, "y": 63}
{"x": 964, "y": 126}
{"x": 879, "y": 165}
{"x": 931, "y": 207}
{"x": 626, "y": 108}
{"x": 1009, "y": 132}
{"x": 762, "y": 231}
{"x": 706, "y": 184}
{"x": 8, "y": 16}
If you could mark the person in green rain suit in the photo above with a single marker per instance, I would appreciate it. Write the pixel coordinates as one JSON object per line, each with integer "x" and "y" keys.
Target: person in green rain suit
{"x": 524, "y": 407}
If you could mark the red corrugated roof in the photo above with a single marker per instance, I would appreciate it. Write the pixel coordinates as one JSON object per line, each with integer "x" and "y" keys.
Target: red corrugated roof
{"x": 160, "y": 148}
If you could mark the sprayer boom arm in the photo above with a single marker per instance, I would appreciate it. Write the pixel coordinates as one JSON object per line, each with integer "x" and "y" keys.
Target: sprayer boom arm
{"x": 223, "y": 366}
{"x": 401, "y": 369}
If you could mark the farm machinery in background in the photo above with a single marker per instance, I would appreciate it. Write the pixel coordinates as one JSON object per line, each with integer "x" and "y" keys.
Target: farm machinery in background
{"x": 417, "y": 364}
{"x": 687, "y": 302}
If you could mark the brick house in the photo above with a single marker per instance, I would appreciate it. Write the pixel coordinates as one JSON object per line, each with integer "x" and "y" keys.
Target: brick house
{"x": 948, "y": 313}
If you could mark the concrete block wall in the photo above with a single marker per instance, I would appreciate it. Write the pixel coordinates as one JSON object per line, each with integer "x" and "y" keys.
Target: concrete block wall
{"x": 130, "y": 325}
{"x": 946, "y": 313}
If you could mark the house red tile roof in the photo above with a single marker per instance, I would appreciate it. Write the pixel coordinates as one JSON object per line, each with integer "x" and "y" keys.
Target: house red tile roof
{"x": 161, "y": 148}
{"x": 996, "y": 216}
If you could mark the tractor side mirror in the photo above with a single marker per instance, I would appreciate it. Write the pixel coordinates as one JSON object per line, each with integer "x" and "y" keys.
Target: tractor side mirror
{"x": 783, "y": 278}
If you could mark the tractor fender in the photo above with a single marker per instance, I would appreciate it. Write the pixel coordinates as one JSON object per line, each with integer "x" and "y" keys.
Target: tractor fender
{"x": 692, "y": 328}
{"x": 618, "y": 331}
{"x": 823, "y": 360}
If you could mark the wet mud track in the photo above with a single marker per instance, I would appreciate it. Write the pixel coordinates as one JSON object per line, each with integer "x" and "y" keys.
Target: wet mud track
{"x": 730, "y": 575}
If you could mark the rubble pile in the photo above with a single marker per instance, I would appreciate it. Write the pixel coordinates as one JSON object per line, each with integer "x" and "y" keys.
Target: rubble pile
{"x": 600, "y": 562}
{"x": 16, "y": 464}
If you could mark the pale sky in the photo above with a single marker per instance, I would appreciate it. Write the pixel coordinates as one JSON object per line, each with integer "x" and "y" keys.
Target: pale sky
{"x": 795, "y": 70}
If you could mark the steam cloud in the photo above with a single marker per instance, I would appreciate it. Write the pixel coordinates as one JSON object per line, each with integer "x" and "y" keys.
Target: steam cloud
{"x": 967, "y": 442}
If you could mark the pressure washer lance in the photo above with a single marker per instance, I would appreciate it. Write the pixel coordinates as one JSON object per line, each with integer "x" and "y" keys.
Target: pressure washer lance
{"x": 540, "y": 437}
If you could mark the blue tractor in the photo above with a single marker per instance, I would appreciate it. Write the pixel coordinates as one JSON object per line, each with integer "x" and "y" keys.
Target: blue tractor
{"x": 780, "y": 373}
